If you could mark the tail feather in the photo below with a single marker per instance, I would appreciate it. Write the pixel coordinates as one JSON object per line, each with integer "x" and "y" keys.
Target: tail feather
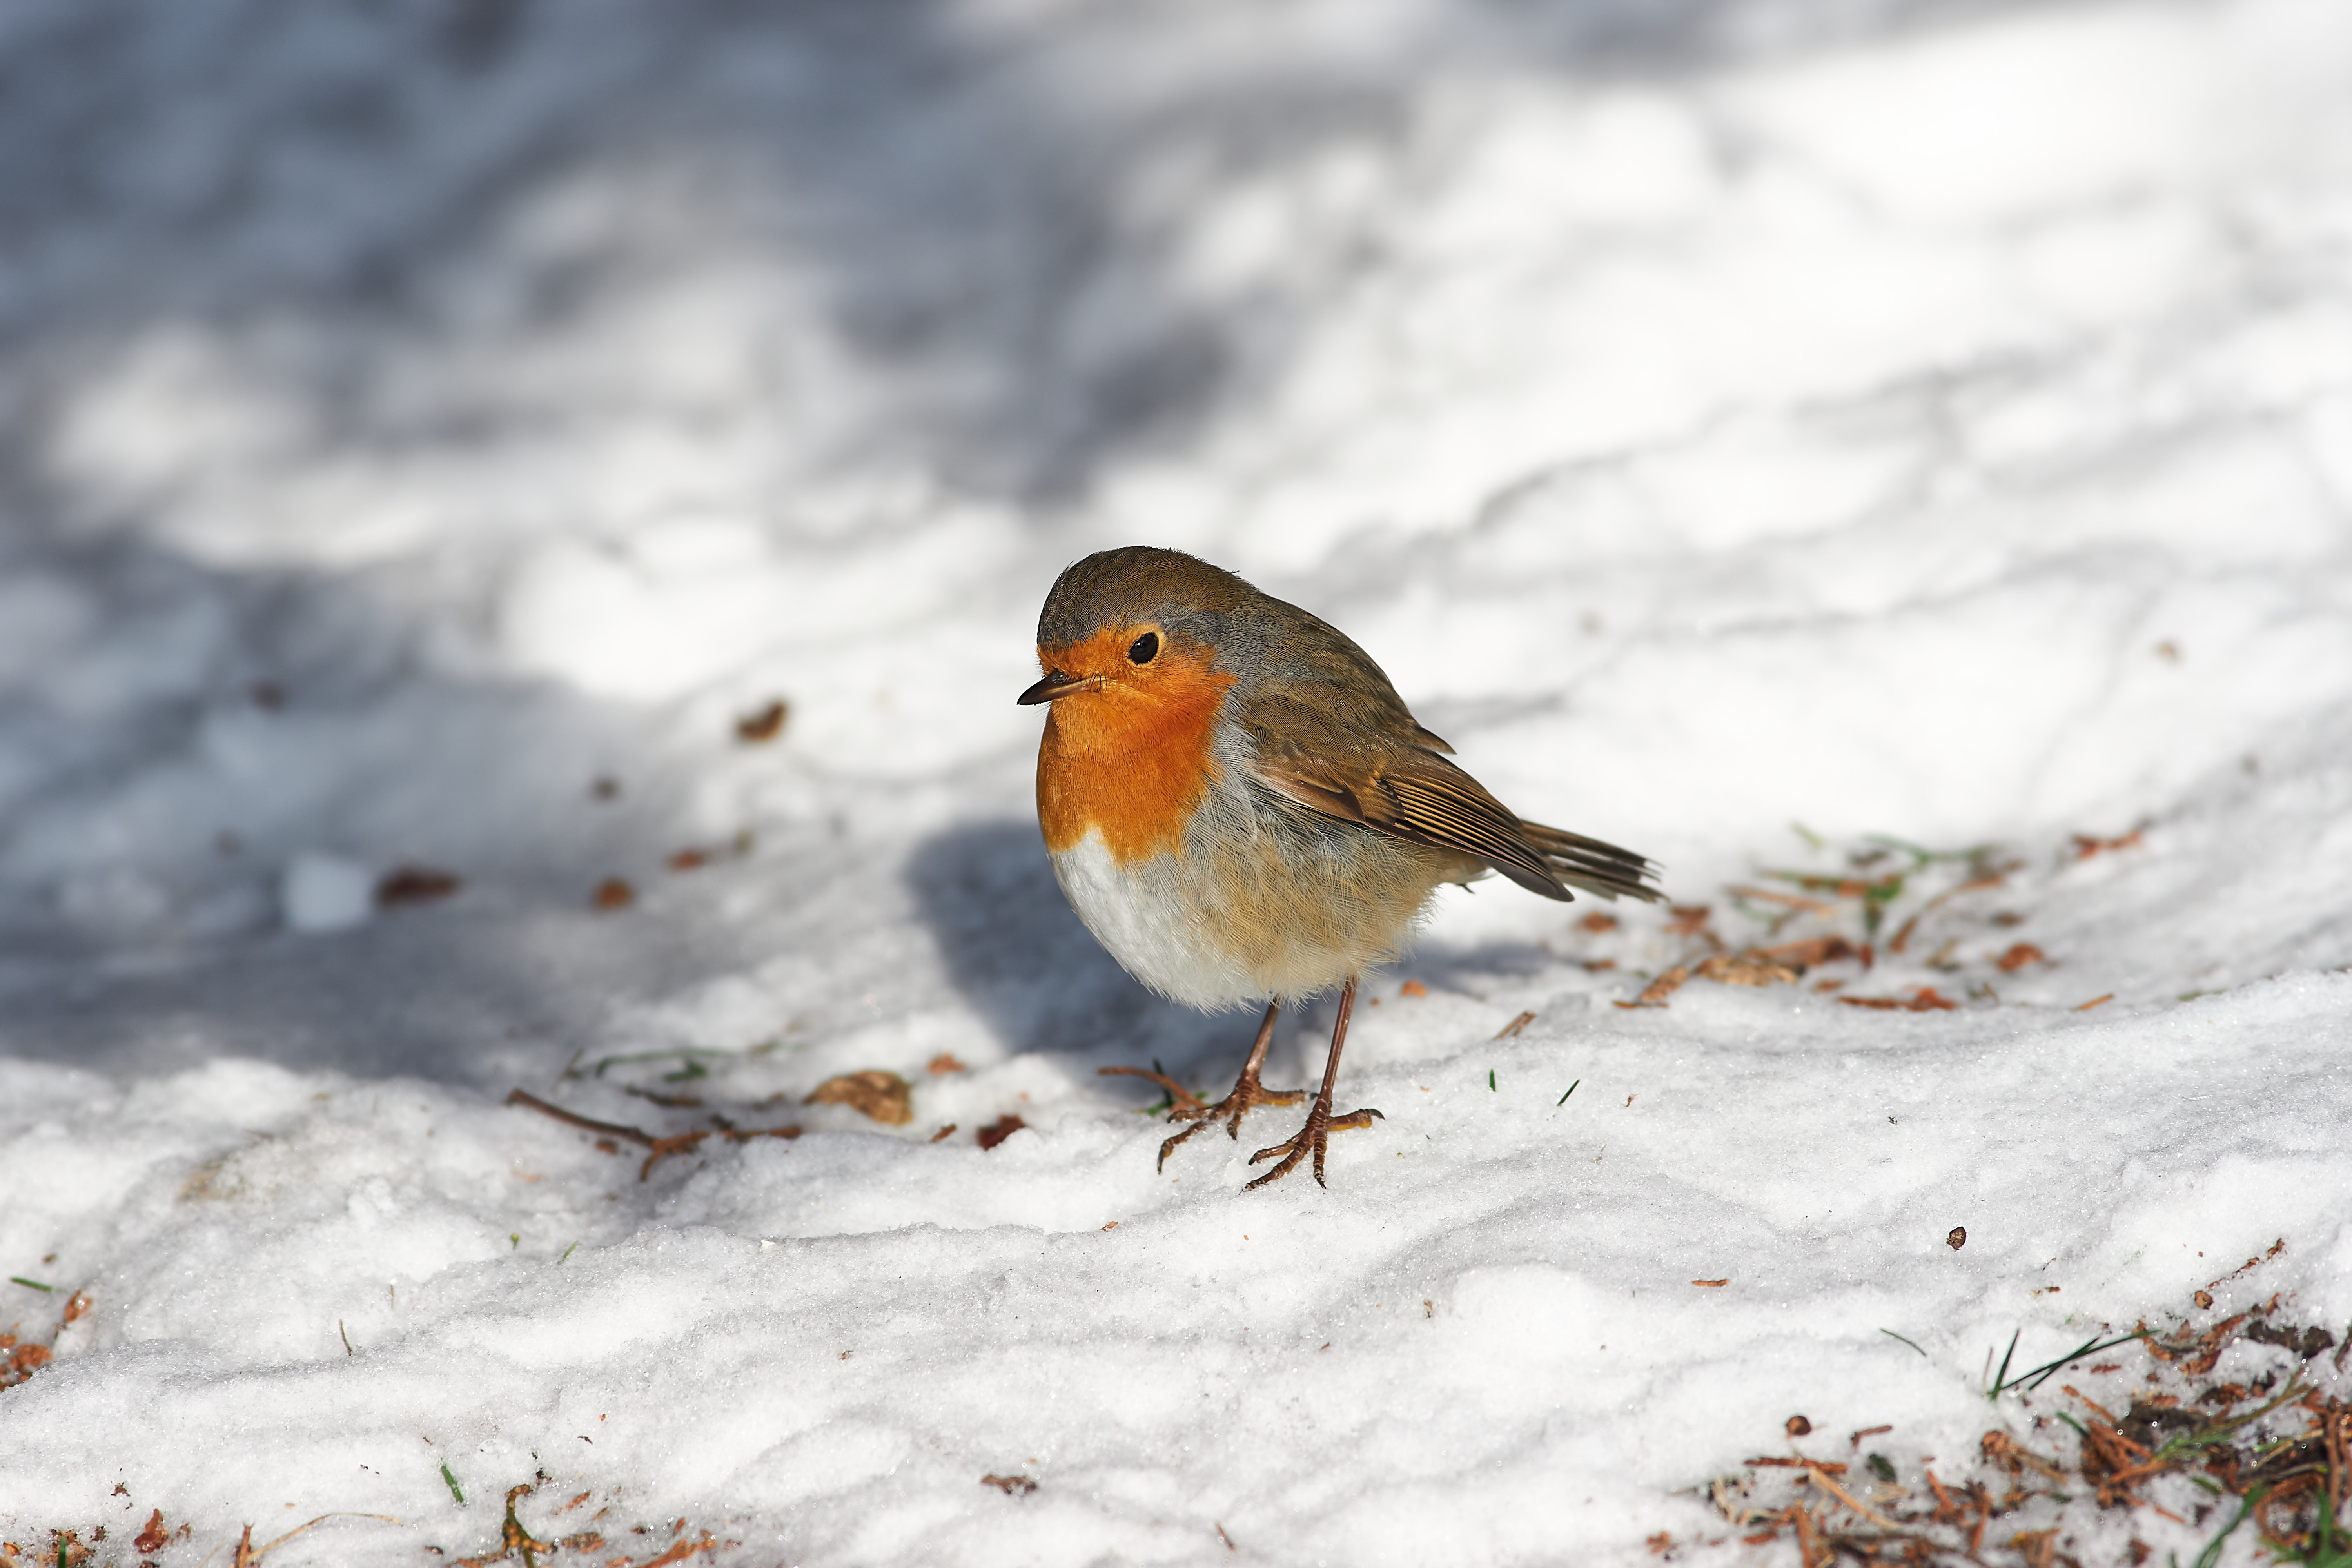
{"x": 1603, "y": 869}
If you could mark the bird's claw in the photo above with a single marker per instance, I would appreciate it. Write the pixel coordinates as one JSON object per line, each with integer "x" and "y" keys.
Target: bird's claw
{"x": 1248, "y": 1093}
{"x": 1311, "y": 1138}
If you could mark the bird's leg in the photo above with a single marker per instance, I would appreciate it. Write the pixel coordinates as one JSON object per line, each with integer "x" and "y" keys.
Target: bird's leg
{"x": 1321, "y": 1122}
{"x": 1246, "y": 1093}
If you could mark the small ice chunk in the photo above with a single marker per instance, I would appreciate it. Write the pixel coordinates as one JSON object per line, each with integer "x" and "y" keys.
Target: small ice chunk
{"x": 326, "y": 893}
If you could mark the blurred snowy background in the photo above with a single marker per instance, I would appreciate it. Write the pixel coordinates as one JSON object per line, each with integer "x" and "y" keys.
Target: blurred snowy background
{"x": 428, "y": 431}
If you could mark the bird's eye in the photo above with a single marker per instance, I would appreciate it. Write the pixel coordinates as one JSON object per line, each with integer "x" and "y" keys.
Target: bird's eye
{"x": 1144, "y": 650}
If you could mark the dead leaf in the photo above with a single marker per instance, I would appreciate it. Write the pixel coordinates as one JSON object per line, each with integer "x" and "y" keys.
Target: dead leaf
{"x": 76, "y": 1308}
{"x": 942, "y": 1063}
{"x": 1799, "y": 1426}
{"x": 1712, "y": 1284}
{"x": 1689, "y": 919}
{"x": 154, "y": 1538}
{"x": 756, "y": 729}
{"x": 1011, "y": 1486}
{"x": 997, "y": 1132}
{"x": 2018, "y": 957}
{"x": 1597, "y": 922}
{"x": 21, "y": 1362}
{"x": 944, "y": 1133}
{"x": 1656, "y": 993}
{"x": 2087, "y": 845}
{"x": 1957, "y": 1237}
{"x": 884, "y": 1096}
{"x": 612, "y": 894}
{"x": 1748, "y": 968}
{"x": 745, "y": 1134}
{"x": 1926, "y": 999}
{"x": 415, "y": 885}
{"x": 680, "y": 1550}
{"x": 688, "y": 860}
{"x": 1412, "y": 988}
{"x": 1812, "y": 953}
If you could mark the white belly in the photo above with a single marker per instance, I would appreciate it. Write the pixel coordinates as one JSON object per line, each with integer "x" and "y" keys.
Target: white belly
{"x": 1146, "y": 917}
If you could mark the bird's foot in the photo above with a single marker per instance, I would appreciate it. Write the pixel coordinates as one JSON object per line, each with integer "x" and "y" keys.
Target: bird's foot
{"x": 1247, "y": 1096}
{"x": 1320, "y": 1125}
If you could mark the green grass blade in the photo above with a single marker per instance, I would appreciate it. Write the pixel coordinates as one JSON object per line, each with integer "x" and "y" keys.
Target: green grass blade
{"x": 2211, "y": 1555}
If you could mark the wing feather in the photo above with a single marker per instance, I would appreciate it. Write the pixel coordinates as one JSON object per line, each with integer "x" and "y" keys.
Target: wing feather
{"x": 1421, "y": 797}
{"x": 1415, "y": 794}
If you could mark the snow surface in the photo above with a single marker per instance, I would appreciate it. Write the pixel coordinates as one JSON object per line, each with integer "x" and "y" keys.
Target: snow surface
{"x": 1919, "y": 419}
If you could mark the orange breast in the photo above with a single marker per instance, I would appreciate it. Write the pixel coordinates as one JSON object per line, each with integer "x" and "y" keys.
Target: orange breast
{"x": 1131, "y": 760}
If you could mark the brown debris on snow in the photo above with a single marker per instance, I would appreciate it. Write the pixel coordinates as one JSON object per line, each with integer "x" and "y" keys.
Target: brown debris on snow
{"x": 884, "y": 1096}
{"x": 154, "y": 1537}
{"x": 679, "y": 1144}
{"x": 1654, "y": 994}
{"x": 2278, "y": 1451}
{"x": 415, "y": 885}
{"x": 764, "y": 725}
{"x": 1749, "y": 968}
{"x": 1923, "y": 999}
{"x": 2087, "y": 845}
{"x": 998, "y": 1131}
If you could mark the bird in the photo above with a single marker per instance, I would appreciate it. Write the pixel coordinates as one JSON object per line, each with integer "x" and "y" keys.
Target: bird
{"x": 1238, "y": 805}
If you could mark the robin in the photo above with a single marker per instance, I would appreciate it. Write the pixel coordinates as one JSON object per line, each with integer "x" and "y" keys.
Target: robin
{"x": 1239, "y": 806}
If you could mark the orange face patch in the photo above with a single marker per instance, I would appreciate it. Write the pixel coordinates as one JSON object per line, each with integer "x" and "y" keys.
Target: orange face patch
{"x": 1131, "y": 758}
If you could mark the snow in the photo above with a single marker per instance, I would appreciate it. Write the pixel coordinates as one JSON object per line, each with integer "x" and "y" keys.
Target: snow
{"x": 1739, "y": 429}
{"x": 326, "y": 893}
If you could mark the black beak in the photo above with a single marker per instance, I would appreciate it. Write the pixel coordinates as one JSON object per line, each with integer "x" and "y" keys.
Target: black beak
{"x": 1057, "y": 684}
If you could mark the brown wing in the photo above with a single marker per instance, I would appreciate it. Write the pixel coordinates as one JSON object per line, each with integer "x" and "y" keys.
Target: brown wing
{"x": 1334, "y": 736}
{"x": 1409, "y": 791}
{"x": 1424, "y": 797}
